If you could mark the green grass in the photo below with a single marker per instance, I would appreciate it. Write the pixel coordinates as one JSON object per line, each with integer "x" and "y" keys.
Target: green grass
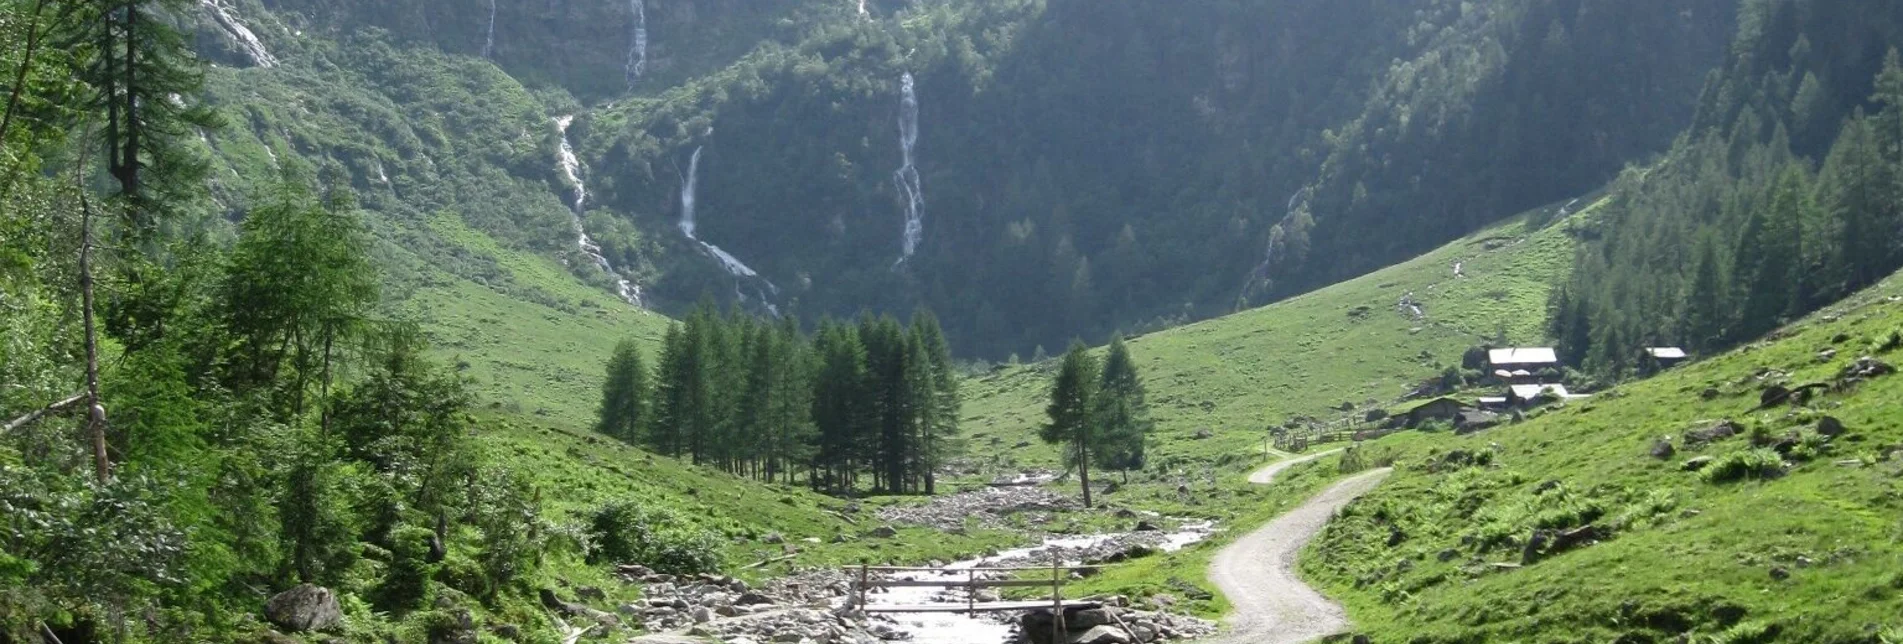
{"x": 1744, "y": 553}
{"x": 1238, "y": 375}
{"x": 543, "y": 355}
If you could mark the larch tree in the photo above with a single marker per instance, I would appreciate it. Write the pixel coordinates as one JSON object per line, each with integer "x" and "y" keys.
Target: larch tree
{"x": 624, "y": 396}
{"x": 1070, "y": 412}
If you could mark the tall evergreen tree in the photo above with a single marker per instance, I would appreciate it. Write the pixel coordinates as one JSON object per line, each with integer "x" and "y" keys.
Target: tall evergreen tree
{"x": 938, "y": 387}
{"x": 624, "y": 396}
{"x": 1121, "y": 412}
{"x": 1706, "y": 310}
{"x": 1070, "y": 412}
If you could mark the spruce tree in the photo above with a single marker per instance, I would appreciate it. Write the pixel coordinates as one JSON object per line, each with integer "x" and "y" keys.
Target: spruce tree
{"x": 1121, "y": 412}
{"x": 1070, "y": 412}
{"x": 624, "y": 396}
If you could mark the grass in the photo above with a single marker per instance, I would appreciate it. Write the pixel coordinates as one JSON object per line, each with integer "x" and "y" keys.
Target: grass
{"x": 1233, "y": 377}
{"x": 1802, "y": 547}
{"x": 543, "y": 355}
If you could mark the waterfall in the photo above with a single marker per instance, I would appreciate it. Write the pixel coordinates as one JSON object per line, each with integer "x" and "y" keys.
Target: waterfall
{"x": 571, "y": 170}
{"x": 240, "y": 34}
{"x": 862, "y": 8}
{"x": 690, "y": 187}
{"x": 638, "y": 52}
{"x": 907, "y": 176}
{"x": 489, "y": 40}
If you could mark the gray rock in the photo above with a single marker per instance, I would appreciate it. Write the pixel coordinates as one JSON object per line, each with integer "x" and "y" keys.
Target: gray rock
{"x": 884, "y": 532}
{"x": 1830, "y": 426}
{"x": 1102, "y": 635}
{"x": 305, "y": 608}
{"x": 1697, "y": 463}
{"x": 702, "y": 615}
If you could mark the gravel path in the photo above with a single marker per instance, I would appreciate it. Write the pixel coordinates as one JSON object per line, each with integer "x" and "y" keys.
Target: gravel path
{"x": 1257, "y": 572}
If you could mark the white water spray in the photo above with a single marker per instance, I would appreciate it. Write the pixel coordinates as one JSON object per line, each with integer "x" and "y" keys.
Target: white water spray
{"x": 862, "y": 8}
{"x": 638, "y": 51}
{"x": 907, "y": 176}
{"x": 489, "y": 40}
{"x": 240, "y": 34}
{"x": 571, "y": 170}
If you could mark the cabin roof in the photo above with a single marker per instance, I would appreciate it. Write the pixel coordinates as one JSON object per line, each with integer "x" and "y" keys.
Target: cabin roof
{"x": 1523, "y": 356}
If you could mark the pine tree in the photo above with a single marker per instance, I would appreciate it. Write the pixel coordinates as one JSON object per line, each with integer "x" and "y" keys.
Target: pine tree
{"x": 1706, "y": 310}
{"x": 938, "y": 413}
{"x": 624, "y": 396}
{"x": 1121, "y": 412}
{"x": 1070, "y": 412}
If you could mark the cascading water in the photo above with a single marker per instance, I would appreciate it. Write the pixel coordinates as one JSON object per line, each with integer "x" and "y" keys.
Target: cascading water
{"x": 690, "y": 186}
{"x": 489, "y": 39}
{"x": 571, "y": 169}
{"x": 907, "y": 176}
{"x": 862, "y": 8}
{"x": 240, "y": 34}
{"x": 638, "y": 51}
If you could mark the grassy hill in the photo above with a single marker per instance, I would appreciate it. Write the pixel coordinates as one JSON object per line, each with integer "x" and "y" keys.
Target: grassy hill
{"x": 1351, "y": 343}
{"x": 1804, "y": 546}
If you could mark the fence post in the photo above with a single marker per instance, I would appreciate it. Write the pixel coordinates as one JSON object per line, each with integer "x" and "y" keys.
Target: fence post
{"x": 862, "y": 584}
{"x": 971, "y": 592}
{"x": 1058, "y": 628}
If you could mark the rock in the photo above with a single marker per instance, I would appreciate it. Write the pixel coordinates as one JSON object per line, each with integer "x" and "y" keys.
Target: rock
{"x": 1696, "y": 463}
{"x": 1779, "y": 573}
{"x": 1722, "y": 430}
{"x": 1146, "y": 526}
{"x": 751, "y": 598}
{"x": 305, "y": 608}
{"x": 1865, "y": 368}
{"x": 702, "y": 615}
{"x": 591, "y": 593}
{"x": 884, "y": 532}
{"x": 1102, "y": 635}
{"x": 1662, "y": 449}
{"x": 1830, "y": 426}
{"x": 1773, "y": 395}
{"x": 774, "y": 538}
{"x": 1710, "y": 393}
{"x": 460, "y": 628}
{"x": 1202, "y": 433}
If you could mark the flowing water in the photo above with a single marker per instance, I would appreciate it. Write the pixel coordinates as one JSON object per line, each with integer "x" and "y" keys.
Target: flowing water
{"x": 489, "y": 39}
{"x": 571, "y": 169}
{"x": 959, "y": 628}
{"x": 690, "y": 187}
{"x": 240, "y": 34}
{"x": 638, "y": 50}
{"x": 907, "y": 175}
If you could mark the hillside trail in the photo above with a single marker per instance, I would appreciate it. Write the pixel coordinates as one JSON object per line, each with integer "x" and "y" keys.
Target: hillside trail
{"x": 1270, "y": 604}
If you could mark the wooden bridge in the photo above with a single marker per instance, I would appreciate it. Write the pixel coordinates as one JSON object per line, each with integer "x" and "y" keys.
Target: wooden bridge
{"x": 975, "y": 578}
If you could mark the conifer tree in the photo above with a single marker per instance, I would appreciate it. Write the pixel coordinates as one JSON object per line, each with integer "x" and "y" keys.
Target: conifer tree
{"x": 1070, "y": 412}
{"x": 624, "y": 397}
{"x": 1121, "y": 412}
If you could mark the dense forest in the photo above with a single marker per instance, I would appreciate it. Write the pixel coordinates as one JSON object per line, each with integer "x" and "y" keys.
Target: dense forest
{"x": 876, "y": 400}
{"x": 1783, "y": 198}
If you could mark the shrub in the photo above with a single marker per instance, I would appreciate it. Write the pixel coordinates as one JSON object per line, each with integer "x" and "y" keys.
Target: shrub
{"x": 1757, "y": 463}
{"x": 664, "y": 540}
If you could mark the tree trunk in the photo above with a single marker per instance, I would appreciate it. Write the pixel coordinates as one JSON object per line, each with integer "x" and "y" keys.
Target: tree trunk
{"x": 95, "y": 411}
{"x": 26, "y": 66}
{"x": 1083, "y": 468}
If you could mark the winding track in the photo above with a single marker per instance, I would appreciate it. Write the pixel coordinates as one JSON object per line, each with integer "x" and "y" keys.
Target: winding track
{"x": 1257, "y": 572}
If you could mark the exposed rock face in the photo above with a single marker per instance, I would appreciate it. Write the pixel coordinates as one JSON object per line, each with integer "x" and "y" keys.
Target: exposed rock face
{"x": 305, "y": 608}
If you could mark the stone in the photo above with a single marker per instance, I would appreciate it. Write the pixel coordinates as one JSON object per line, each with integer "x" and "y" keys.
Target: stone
{"x": 702, "y": 615}
{"x": 1697, "y": 463}
{"x": 1773, "y": 395}
{"x": 774, "y": 538}
{"x": 1662, "y": 449}
{"x": 1102, "y": 635}
{"x": 1722, "y": 430}
{"x": 1779, "y": 573}
{"x": 751, "y": 598}
{"x": 1830, "y": 426}
{"x": 884, "y": 532}
{"x": 1146, "y": 526}
{"x": 1865, "y": 368}
{"x": 305, "y": 608}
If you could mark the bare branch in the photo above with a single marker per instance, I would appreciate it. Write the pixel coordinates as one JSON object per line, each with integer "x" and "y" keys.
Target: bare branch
{"x": 37, "y": 414}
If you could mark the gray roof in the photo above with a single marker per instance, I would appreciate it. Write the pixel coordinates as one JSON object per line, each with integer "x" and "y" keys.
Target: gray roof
{"x": 1666, "y": 353}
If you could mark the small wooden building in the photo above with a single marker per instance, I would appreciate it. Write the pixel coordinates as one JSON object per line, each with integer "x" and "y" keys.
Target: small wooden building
{"x": 1437, "y": 409}
{"x": 1522, "y": 365}
{"x": 1665, "y": 357}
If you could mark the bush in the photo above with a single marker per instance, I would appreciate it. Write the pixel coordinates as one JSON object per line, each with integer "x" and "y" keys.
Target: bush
{"x": 1757, "y": 463}
{"x": 664, "y": 540}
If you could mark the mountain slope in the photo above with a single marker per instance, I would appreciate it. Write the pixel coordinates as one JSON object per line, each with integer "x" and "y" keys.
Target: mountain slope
{"x": 1805, "y": 549}
{"x": 1234, "y": 377}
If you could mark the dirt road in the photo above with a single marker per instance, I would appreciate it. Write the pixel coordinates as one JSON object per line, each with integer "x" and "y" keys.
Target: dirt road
{"x": 1257, "y": 572}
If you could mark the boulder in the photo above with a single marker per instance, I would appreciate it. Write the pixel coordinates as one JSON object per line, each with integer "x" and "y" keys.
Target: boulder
{"x": 305, "y": 608}
{"x": 1662, "y": 449}
{"x": 1102, "y": 635}
{"x": 1697, "y": 463}
{"x": 1146, "y": 526}
{"x": 1773, "y": 395}
{"x": 884, "y": 532}
{"x": 1830, "y": 426}
{"x": 1722, "y": 430}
